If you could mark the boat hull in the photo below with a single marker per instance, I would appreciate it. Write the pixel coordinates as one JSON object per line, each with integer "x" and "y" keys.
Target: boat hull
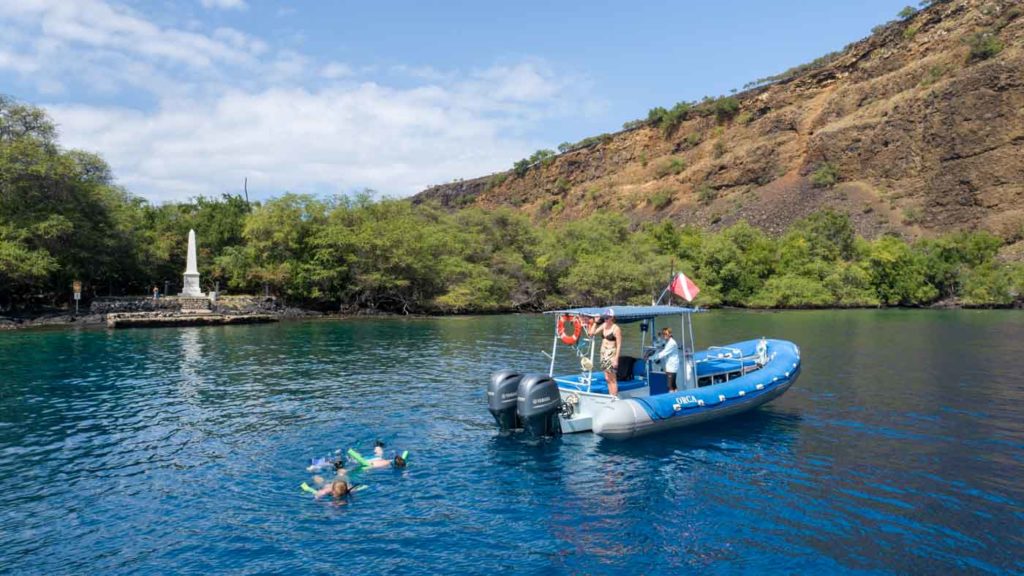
{"x": 629, "y": 418}
{"x": 625, "y": 421}
{"x": 586, "y": 404}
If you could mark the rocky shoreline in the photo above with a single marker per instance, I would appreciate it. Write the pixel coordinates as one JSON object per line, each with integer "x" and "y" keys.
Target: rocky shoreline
{"x": 167, "y": 311}
{"x": 277, "y": 312}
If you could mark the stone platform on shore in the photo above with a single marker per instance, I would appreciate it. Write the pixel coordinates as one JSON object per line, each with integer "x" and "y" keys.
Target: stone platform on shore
{"x": 184, "y": 318}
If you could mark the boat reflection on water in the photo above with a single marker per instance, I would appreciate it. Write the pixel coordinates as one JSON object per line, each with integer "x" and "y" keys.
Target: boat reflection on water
{"x": 766, "y": 427}
{"x": 652, "y": 497}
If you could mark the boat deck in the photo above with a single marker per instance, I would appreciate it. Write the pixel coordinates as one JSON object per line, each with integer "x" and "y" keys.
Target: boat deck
{"x": 598, "y": 385}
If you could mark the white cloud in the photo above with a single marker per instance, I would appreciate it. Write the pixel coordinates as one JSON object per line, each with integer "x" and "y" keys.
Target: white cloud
{"x": 20, "y": 63}
{"x": 225, "y": 4}
{"x": 230, "y": 106}
{"x": 107, "y": 46}
{"x": 423, "y": 72}
{"x": 287, "y": 67}
{"x": 396, "y": 141}
{"x": 336, "y": 70}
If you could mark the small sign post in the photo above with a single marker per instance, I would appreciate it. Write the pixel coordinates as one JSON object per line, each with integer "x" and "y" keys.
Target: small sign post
{"x": 77, "y": 287}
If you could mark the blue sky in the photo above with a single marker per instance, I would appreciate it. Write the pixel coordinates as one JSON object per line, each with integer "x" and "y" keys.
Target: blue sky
{"x": 188, "y": 97}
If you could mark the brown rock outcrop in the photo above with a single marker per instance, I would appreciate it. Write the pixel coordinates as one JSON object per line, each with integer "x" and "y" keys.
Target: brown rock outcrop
{"x": 924, "y": 138}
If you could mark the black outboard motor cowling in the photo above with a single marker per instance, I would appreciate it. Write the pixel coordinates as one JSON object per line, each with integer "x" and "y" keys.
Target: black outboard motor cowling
{"x": 501, "y": 398}
{"x": 537, "y": 404}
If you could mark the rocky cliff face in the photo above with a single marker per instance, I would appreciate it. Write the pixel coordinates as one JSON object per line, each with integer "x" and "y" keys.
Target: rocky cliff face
{"x": 922, "y": 130}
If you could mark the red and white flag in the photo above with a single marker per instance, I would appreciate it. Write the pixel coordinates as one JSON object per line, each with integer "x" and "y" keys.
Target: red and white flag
{"x": 684, "y": 287}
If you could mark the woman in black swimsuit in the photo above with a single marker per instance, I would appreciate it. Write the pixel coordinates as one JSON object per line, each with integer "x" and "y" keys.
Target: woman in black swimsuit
{"x": 611, "y": 346}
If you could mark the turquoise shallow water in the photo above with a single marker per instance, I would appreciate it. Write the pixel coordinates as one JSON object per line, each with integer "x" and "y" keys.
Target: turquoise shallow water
{"x": 899, "y": 450}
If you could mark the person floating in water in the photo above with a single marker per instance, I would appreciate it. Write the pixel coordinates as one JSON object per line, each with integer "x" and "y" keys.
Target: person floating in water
{"x": 338, "y": 489}
{"x": 340, "y": 473}
{"x": 378, "y": 460}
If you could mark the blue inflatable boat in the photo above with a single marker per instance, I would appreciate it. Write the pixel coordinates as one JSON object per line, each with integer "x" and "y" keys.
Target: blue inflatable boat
{"x": 712, "y": 383}
{"x": 735, "y": 378}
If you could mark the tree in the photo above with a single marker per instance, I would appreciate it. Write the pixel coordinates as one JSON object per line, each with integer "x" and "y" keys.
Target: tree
{"x": 278, "y": 237}
{"x": 60, "y": 211}
{"x": 898, "y": 275}
{"x": 737, "y": 261}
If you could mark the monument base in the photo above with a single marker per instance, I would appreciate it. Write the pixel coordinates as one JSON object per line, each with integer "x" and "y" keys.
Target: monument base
{"x": 191, "y": 287}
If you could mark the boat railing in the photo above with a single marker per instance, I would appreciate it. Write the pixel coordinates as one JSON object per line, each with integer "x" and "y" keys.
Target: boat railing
{"x": 578, "y": 385}
{"x": 729, "y": 349}
{"x": 729, "y": 355}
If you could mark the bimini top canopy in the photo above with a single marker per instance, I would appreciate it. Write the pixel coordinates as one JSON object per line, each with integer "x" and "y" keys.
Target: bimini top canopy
{"x": 629, "y": 313}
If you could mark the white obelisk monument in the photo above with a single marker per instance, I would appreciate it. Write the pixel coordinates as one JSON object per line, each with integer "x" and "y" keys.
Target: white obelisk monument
{"x": 191, "y": 287}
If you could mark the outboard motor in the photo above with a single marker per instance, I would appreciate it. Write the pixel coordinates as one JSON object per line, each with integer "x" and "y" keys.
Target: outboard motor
{"x": 538, "y": 404}
{"x": 501, "y": 398}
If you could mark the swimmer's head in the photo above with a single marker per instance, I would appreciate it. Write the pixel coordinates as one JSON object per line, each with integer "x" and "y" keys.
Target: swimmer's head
{"x": 339, "y": 464}
{"x": 399, "y": 461}
{"x": 339, "y": 488}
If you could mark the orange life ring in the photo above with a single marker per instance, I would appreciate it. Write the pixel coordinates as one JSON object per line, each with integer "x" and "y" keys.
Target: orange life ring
{"x": 577, "y": 328}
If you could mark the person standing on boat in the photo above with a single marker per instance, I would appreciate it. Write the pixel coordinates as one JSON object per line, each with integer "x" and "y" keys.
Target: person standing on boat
{"x": 611, "y": 346}
{"x": 669, "y": 353}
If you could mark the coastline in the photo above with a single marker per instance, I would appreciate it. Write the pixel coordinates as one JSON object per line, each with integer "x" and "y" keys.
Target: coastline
{"x": 61, "y": 319}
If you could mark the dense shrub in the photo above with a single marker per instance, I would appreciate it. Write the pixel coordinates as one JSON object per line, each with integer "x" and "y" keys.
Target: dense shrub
{"x": 725, "y": 108}
{"x": 496, "y": 180}
{"x": 792, "y": 292}
{"x": 935, "y": 73}
{"x": 521, "y": 167}
{"x": 815, "y": 64}
{"x": 673, "y": 166}
{"x": 660, "y": 199}
{"x": 983, "y": 45}
{"x": 825, "y": 176}
{"x": 706, "y": 194}
{"x": 541, "y": 157}
{"x": 669, "y": 120}
{"x": 898, "y": 274}
{"x": 718, "y": 150}
{"x": 585, "y": 143}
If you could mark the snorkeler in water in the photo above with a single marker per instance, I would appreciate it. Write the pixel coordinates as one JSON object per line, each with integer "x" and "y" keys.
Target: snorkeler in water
{"x": 318, "y": 464}
{"x": 338, "y": 489}
{"x": 340, "y": 473}
{"x": 378, "y": 460}
{"x": 397, "y": 462}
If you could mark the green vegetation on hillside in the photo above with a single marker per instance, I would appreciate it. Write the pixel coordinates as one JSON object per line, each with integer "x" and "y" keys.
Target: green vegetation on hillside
{"x": 825, "y": 176}
{"x": 984, "y": 45}
{"x": 62, "y": 218}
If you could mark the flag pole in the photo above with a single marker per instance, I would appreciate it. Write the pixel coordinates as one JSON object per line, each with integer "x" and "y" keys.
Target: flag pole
{"x": 672, "y": 275}
{"x": 662, "y": 296}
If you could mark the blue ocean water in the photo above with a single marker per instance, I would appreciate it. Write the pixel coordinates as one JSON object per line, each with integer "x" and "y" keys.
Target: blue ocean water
{"x": 180, "y": 451}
